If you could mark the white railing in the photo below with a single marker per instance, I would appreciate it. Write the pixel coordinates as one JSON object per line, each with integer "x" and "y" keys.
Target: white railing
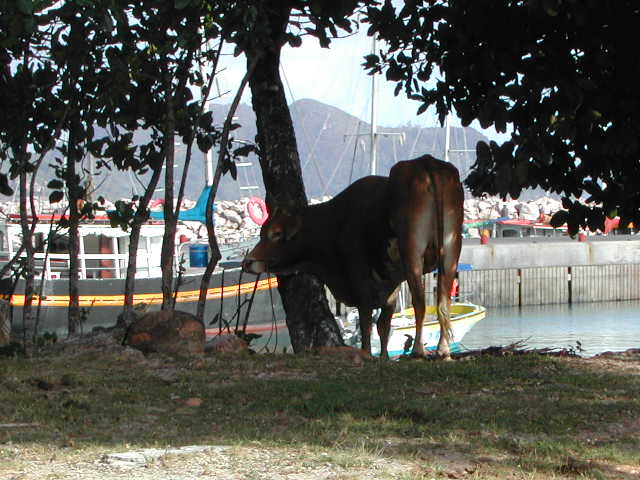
{"x": 56, "y": 265}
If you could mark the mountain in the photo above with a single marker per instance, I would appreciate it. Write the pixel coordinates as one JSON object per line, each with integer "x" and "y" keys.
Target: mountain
{"x": 334, "y": 151}
{"x": 335, "y": 147}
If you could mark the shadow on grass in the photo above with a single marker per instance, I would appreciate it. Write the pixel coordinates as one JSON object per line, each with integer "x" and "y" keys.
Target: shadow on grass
{"x": 527, "y": 412}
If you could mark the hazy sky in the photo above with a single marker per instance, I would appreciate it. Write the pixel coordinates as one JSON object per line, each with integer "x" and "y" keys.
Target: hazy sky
{"x": 335, "y": 76}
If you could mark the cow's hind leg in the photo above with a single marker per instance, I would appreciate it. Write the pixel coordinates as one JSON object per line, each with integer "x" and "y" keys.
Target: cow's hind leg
{"x": 415, "y": 281}
{"x": 364, "y": 315}
{"x": 452, "y": 244}
{"x": 384, "y": 325}
{"x": 445, "y": 281}
{"x": 412, "y": 244}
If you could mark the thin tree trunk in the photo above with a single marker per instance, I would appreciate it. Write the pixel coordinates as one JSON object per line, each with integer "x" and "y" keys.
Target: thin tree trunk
{"x": 27, "y": 241}
{"x": 213, "y": 240}
{"x": 309, "y": 319}
{"x": 171, "y": 213}
{"x": 170, "y": 217}
{"x": 73, "y": 190}
{"x": 141, "y": 215}
{"x": 28, "y": 230}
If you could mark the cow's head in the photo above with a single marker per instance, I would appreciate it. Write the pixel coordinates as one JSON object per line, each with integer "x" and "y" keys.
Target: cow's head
{"x": 280, "y": 249}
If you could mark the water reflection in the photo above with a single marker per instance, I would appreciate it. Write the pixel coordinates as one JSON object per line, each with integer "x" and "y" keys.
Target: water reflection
{"x": 598, "y": 327}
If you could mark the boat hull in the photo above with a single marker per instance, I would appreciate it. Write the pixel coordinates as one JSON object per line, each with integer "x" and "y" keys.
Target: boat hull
{"x": 229, "y": 295}
{"x": 463, "y": 317}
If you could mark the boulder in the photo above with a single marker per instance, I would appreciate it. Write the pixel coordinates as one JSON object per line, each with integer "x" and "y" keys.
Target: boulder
{"x": 226, "y": 344}
{"x": 170, "y": 332}
{"x": 508, "y": 209}
{"x": 494, "y": 213}
{"x": 529, "y": 211}
{"x": 232, "y": 217}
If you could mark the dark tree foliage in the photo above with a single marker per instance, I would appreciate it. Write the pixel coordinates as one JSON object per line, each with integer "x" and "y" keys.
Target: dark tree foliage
{"x": 561, "y": 73}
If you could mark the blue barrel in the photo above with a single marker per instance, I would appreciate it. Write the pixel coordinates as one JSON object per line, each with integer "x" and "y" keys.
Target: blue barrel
{"x": 199, "y": 255}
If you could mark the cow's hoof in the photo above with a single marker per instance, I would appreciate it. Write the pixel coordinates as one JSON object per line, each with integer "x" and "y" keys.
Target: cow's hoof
{"x": 418, "y": 354}
{"x": 445, "y": 356}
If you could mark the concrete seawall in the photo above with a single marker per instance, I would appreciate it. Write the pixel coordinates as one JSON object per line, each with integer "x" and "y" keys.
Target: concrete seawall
{"x": 538, "y": 270}
{"x": 501, "y": 253}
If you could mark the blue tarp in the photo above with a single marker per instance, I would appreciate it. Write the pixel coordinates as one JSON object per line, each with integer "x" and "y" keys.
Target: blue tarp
{"x": 195, "y": 214}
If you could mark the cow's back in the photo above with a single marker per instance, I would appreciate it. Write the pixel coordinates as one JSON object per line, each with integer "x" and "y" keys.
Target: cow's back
{"x": 419, "y": 172}
{"x": 361, "y": 200}
{"x": 427, "y": 204}
{"x": 352, "y": 231}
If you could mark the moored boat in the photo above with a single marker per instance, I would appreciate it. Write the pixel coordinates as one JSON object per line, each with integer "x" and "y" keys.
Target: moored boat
{"x": 104, "y": 252}
{"x": 463, "y": 317}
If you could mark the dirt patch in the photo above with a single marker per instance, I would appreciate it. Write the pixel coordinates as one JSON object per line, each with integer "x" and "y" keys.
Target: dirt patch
{"x": 201, "y": 462}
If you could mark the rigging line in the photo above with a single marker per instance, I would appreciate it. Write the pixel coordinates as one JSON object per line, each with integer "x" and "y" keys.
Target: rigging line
{"x": 312, "y": 153}
{"x": 274, "y": 322}
{"x": 355, "y": 150}
{"x": 253, "y": 296}
{"x": 395, "y": 151}
{"x": 415, "y": 142}
{"x": 342, "y": 155}
{"x": 434, "y": 144}
{"x": 315, "y": 143}
{"x": 467, "y": 161}
{"x": 293, "y": 100}
{"x": 304, "y": 130}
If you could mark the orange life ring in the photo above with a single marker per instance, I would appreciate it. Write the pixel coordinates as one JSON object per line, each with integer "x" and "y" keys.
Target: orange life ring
{"x": 254, "y": 204}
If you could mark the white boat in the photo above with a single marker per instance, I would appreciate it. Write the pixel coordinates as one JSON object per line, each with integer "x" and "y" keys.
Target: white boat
{"x": 463, "y": 317}
{"x": 103, "y": 259}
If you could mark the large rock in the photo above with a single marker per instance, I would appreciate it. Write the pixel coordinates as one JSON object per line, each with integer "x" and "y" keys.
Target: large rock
{"x": 529, "y": 211}
{"x": 169, "y": 332}
{"x": 232, "y": 217}
{"x": 226, "y": 344}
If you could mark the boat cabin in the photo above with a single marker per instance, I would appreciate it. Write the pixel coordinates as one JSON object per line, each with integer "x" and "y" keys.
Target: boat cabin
{"x": 510, "y": 228}
{"x": 104, "y": 250}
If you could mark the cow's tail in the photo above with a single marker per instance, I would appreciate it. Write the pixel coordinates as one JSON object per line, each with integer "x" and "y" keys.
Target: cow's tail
{"x": 442, "y": 308}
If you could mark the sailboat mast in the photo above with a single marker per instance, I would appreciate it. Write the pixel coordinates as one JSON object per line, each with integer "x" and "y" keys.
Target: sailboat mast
{"x": 209, "y": 159}
{"x": 374, "y": 133}
{"x": 447, "y": 137}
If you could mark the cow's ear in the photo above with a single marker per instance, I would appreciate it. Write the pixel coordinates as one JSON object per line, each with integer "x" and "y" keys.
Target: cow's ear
{"x": 293, "y": 226}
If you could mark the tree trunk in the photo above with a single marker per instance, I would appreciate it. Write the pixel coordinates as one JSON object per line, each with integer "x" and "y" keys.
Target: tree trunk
{"x": 73, "y": 189}
{"x": 172, "y": 213}
{"x": 27, "y": 241}
{"x": 309, "y": 319}
{"x": 170, "y": 217}
{"x": 141, "y": 215}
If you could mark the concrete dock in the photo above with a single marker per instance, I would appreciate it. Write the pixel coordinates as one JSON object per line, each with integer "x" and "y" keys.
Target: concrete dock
{"x": 541, "y": 270}
{"x": 502, "y": 253}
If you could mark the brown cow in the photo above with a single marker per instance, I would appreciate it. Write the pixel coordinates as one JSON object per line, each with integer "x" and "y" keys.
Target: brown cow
{"x": 369, "y": 238}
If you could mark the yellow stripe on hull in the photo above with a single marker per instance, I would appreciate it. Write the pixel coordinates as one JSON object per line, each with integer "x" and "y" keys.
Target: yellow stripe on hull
{"x": 148, "y": 298}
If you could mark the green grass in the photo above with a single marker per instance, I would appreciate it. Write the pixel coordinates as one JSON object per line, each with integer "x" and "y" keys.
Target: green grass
{"x": 535, "y": 415}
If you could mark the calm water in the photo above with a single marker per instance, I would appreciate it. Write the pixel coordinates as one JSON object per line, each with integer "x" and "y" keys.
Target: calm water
{"x": 599, "y": 327}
